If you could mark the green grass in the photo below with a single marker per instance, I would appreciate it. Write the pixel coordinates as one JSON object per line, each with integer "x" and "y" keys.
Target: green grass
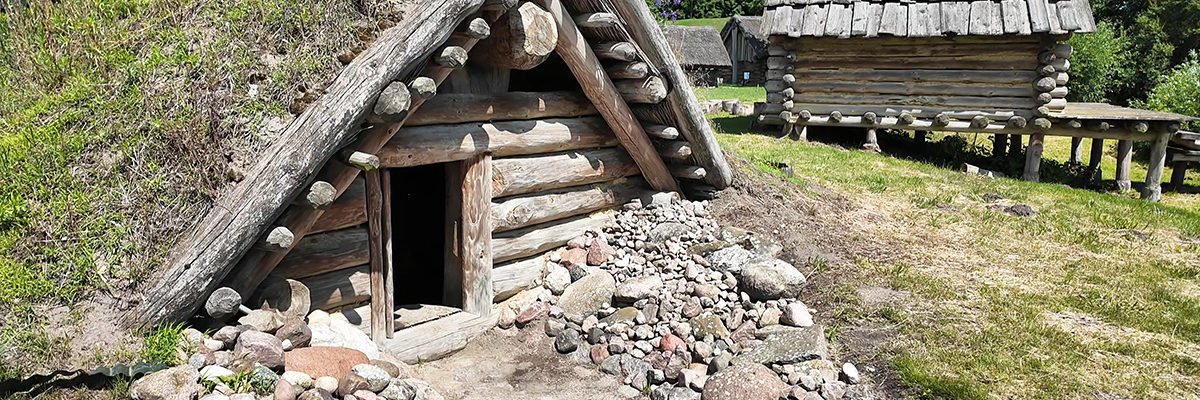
{"x": 1098, "y": 293}
{"x": 120, "y": 120}
{"x": 162, "y": 345}
{"x": 744, "y": 94}
{"x": 718, "y": 23}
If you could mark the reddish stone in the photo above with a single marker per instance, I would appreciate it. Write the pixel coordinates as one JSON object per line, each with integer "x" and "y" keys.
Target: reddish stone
{"x": 744, "y": 333}
{"x": 670, "y": 343}
{"x": 321, "y": 361}
{"x": 574, "y": 257}
{"x": 599, "y": 353}
{"x": 534, "y": 312}
{"x": 599, "y": 252}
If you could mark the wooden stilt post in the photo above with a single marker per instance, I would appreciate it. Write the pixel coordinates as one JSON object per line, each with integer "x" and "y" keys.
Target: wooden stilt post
{"x": 1158, "y": 158}
{"x": 1033, "y": 158}
{"x": 1095, "y": 157}
{"x": 1076, "y": 150}
{"x": 1178, "y": 174}
{"x": 379, "y": 314}
{"x": 1124, "y": 159}
{"x": 999, "y": 145}
{"x": 802, "y": 133}
{"x": 872, "y": 143}
{"x": 1014, "y": 145}
{"x": 920, "y": 136}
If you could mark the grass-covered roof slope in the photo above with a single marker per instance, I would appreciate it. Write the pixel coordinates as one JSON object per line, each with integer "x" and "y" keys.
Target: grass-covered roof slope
{"x": 120, "y": 122}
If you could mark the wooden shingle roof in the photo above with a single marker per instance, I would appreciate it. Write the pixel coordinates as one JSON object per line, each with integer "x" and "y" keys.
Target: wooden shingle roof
{"x": 925, "y": 18}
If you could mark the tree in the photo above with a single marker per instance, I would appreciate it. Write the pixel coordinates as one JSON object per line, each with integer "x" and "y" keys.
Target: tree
{"x": 1179, "y": 91}
{"x": 1099, "y": 65}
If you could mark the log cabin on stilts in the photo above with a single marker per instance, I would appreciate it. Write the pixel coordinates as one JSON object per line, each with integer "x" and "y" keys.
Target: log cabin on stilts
{"x": 426, "y": 182}
{"x": 996, "y": 67}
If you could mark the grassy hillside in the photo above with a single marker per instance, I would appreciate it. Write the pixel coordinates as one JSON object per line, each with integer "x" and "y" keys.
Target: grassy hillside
{"x": 1097, "y": 295}
{"x": 718, "y": 23}
{"x": 121, "y": 120}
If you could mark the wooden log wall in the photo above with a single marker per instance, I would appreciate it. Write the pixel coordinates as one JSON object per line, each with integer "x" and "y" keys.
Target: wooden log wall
{"x": 549, "y": 180}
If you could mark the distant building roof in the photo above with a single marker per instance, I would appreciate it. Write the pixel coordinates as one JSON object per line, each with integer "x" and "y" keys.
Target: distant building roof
{"x": 697, "y": 45}
{"x": 751, "y": 24}
{"x": 925, "y": 18}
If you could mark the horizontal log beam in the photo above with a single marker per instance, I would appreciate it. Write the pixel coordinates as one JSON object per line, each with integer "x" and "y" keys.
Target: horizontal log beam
{"x": 918, "y": 88}
{"x": 339, "y": 288}
{"x": 620, "y": 51}
{"x": 537, "y": 239}
{"x": 648, "y": 90}
{"x": 322, "y": 253}
{"x": 915, "y": 75}
{"x": 893, "y": 110}
{"x": 444, "y": 143}
{"x": 513, "y": 277}
{"x": 522, "y": 211}
{"x": 454, "y": 108}
{"x": 520, "y": 175}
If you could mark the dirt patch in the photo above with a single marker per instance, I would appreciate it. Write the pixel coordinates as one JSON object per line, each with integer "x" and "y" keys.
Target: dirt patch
{"x": 823, "y": 234}
{"x": 519, "y": 364}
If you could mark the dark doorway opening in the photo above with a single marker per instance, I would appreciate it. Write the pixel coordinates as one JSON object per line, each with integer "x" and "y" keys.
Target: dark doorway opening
{"x": 419, "y": 242}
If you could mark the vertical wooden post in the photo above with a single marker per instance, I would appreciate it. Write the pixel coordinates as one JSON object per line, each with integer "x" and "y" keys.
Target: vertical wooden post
{"x": 452, "y": 268}
{"x": 1095, "y": 157}
{"x": 374, "y": 199}
{"x": 999, "y": 145}
{"x": 872, "y": 143}
{"x": 1178, "y": 175}
{"x": 1124, "y": 159}
{"x": 1014, "y": 145}
{"x": 477, "y": 235}
{"x": 1033, "y": 158}
{"x": 920, "y": 136}
{"x": 1158, "y": 158}
{"x": 1076, "y": 150}
{"x": 389, "y": 260}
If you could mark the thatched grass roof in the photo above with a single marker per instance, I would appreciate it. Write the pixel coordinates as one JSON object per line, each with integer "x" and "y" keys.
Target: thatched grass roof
{"x": 697, "y": 46}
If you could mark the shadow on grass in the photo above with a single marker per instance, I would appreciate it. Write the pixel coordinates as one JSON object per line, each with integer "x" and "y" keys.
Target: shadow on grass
{"x": 948, "y": 152}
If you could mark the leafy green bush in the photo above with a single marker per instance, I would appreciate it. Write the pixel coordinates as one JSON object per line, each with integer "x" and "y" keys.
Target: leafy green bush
{"x": 1179, "y": 91}
{"x": 1099, "y": 64}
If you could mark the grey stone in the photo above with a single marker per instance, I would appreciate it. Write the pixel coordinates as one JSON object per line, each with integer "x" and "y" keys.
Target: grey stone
{"x": 178, "y": 383}
{"x": 315, "y": 394}
{"x": 770, "y": 279}
{"x": 670, "y": 392}
{"x": 861, "y": 392}
{"x": 638, "y": 288}
{"x": 667, "y": 231}
{"x": 789, "y": 346}
{"x": 850, "y": 373}
{"x": 730, "y": 258}
{"x": 625, "y": 315}
{"x": 263, "y": 320}
{"x": 558, "y": 279}
{"x": 745, "y": 382}
{"x": 397, "y": 390}
{"x": 566, "y": 341}
{"x": 377, "y": 378}
{"x": 796, "y": 314}
{"x": 259, "y": 347}
{"x": 709, "y": 324}
{"x": 229, "y": 334}
{"x": 833, "y": 390}
{"x": 587, "y": 295}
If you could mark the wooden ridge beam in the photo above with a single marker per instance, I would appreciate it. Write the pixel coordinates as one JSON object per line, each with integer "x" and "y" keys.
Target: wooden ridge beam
{"x": 578, "y": 55}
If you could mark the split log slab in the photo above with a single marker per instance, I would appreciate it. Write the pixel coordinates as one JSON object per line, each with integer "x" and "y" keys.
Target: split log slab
{"x": 693, "y": 125}
{"x": 339, "y": 288}
{"x": 444, "y": 143}
{"x": 380, "y": 309}
{"x": 582, "y": 61}
{"x": 522, "y": 39}
{"x": 648, "y": 90}
{"x": 620, "y": 51}
{"x": 436, "y": 339}
{"x": 454, "y": 108}
{"x": 522, "y": 211}
{"x": 629, "y": 70}
{"x": 476, "y": 235}
{"x": 540, "y": 238}
{"x": 519, "y": 175}
{"x": 326, "y": 252}
{"x": 514, "y": 277}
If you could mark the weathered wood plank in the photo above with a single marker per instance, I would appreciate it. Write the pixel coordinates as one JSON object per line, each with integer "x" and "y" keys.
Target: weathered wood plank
{"x": 513, "y": 277}
{"x": 814, "y": 20}
{"x": 895, "y": 20}
{"x": 444, "y": 143}
{"x": 916, "y": 88}
{"x": 339, "y": 288}
{"x": 918, "y": 20}
{"x": 379, "y": 307}
{"x": 519, "y": 175}
{"x": 326, "y": 252}
{"x": 454, "y": 108}
{"x": 540, "y": 238}
{"x": 226, "y": 233}
{"x": 575, "y": 52}
{"x": 1068, "y": 16}
{"x": 985, "y": 18}
{"x": 476, "y": 238}
{"x": 1039, "y": 22}
{"x": 523, "y": 211}
{"x": 1015, "y": 15}
{"x": 439, "y": 338}
{"x": 874, "y": 17}
{"x": 917, "y": 75}
{"x": 858, "y": 19}
{"x": 836, "y": 21}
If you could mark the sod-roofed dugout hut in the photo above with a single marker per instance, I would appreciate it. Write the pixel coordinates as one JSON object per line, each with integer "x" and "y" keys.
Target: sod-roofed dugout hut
{"x": 700, "y": 53}
{"x": 463, "y": 143}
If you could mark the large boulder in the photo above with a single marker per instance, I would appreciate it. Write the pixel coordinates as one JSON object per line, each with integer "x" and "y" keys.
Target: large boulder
{"x": 745, "y": 382}
{"x": 319, "y": 361}
{"x": 787, "y": 345}
{"x": 770, "y": 279}
{"x": 587, "y": 295}
{"x": 730, "y": 258}
{"x": 260, "y": 347}
{"x": 179, "y": 383}
{"x": 341, "y": 333}
{"x": 668, "y": 230}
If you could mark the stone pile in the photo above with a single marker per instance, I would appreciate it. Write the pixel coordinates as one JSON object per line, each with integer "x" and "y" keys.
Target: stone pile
{"x": 680, "y": 308}
{"x": 271, "y": 355}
